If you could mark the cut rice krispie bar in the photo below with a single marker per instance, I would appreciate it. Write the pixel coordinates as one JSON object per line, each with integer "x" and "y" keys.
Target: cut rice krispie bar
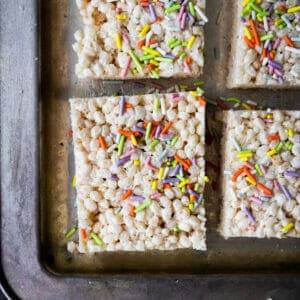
{"x": 139, "y": 172}
{"x": 261, "y": 175}
{"x": 265, "y": 48}
{"x": 140, "y": 39}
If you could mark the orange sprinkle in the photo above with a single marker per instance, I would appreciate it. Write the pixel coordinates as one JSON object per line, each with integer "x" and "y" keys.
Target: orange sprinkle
{"x": 128, "y": 105}
{"x": 83, "y": 233}
{"x": 201, "y": 100}
{"x": 264, "y": 52}
{"x": 281, "y": 7}
{"x": 70, "y": 133}
{"x": 251, "y": 177}
{"x": 167, "y": 185}
{"x": 188, "y": 60}
{"x": 126, "y": 195}
{"x": 193, "y": 198}
{"x": 237, "y": 174}
{"x": 102, "y": 142}
{"x": 154, "y": 123}
{"x": 264, "y": 189}
{"x": 141, "y": 44}
{"x": 158, "y": 19}
{"x": 254, "y": 32}
{"x": 166, "y": 128}
{"x": 150, "y": 67}
{"x": 188, "y": 162}
{"x": 132, "y": 211}
{"x": 153, "y": 41}
{"x": 249, "y": 42}
{"x": 152, "y": 132}
{"x": 128, "y": 133}
{"x": 190, "y": 185}
{"x": 181, "y": 161}
{"x": 289, "y": 41}
{"x": 273, "y": 137}
{"x": 271, "y": 55}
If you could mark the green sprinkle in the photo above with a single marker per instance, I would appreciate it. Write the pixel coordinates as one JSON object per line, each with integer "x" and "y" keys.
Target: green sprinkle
{"x": 116, "y": 94}
{"x": 147, "y": 57}
{"x": 174, "y": 163}
{"x": 279, "y": 12}
{"x": 212, "y": 102}
{"x": 245, "y": 11}
{"x": 181, "y": 178}
{"x": 153, "y": 144}
{"x": 136, "y": 61}
{"x": 97, "y": 239}
{"x": 171, "y": 41}
{"x": 144, "y": 205}
{"x": 174, "y": 140}
{"x": 164, "y": 59}
{"x": 200, "y": 91}
{"x": 148, "y": 131}
{"x": 232, "y": 99}
{"x": 283, "y": 25}
{"x": 156, "y": 104}
{"x": 288, "y": 145}
{"x": 192, "y": 9}
{"x": 182, "y": 55}
{"x": 172, "y": 8}
{"x": 183, "y": 189}
{"x": 266, "y": 37}
{"x": 176, "y": 229}
{"x": 255, "y": 7}
{"x": 176, "y": 43}
{"x": 258, "y": 169}
{"x": 199, "y": 82}
{"x": 121, "y": 145}
{"x": 245, "y": 152}
{"x": 155, "y": 74}
{"x": 70, "y": 232}
{"x": 279, "y": 147}
{"x": 197, "y": 186}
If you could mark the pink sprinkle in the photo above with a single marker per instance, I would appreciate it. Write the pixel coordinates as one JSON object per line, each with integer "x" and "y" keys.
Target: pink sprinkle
{"x": 268, "y": 120}
{"x": 248, "y": 165}
{"x": 128, "y": 153}
{"x": 159, "y": 4}
{"x": 182, "y": 22}
{"x": 126, "y": 67}
{"x": 252, "y": 227}
{"x": 263, "y": 169}
{"x": 276, "y": 185}
{"x": 187, "y": 66}
{"x": 144, "y": 4}
{"x": 256, "y": 200}
{"x": 177, "y": 99}
{"x": 277, "y": 43}
{"x": 125, "y": 38}
{"x": 180, "y": 13}
{"x": 271, "y": 70}
{"x": 149, "y": 166}
{"x": 118, "y": 10}
{"x": 278, "y": 72}
{"x": 155, "y": 196}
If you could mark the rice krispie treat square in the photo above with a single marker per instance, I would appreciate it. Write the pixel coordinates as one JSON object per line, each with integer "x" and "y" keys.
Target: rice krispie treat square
{"x": 265, "y": 44}
{"x": 139, "y": 172}
{"x": 140, "y": 39}
{"x": 261, "y": 175}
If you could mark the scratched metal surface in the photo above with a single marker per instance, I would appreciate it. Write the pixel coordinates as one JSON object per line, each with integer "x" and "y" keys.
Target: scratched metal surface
{"x": 37, "y": 201}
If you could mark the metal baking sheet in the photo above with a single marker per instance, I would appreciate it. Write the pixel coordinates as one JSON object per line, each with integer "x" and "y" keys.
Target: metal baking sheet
{"x": 37, "y": 200}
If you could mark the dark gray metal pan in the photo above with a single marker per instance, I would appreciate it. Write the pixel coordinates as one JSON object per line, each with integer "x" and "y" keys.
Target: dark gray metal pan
{"x": 37, "y": 78}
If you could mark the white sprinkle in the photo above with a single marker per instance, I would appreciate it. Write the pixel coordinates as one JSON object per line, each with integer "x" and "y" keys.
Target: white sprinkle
{"x": 163, "y": 106}
{"x": 201, "y": 14}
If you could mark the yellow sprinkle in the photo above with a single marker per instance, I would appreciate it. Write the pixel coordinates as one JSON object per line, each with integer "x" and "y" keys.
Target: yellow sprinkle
{"x": 145, "y": 29}
{"x": 136, "y": 162}
{"x": 191, "y": 41}
{"x": 278, "y": 22}
{"x": 243, "y": 158}
{"x": 259, "y": 18}
{"x": 168, "y": 163}
{"x": 245, "y": 2}
{"x": 269, "y": 116}
{"x": 194, "y": 93}
{"x": 183, "y": 183}
{"x": 161, "y": 173}
{"x": 154, "y": 62}
{"x": 250, "y": 180}
{"x": 74, "y": 181}
{"x": 206, "y": 179}
{"x": 183, "y": 86}
{"x": 271, "y": 152}
{"x": 247, "y": 32}
{"x": 191, "y": 198}
{"x": 288, "y": 227}
{"x": 133, "y": 140}
{"x": 246, "y": 106}
{"x": 290, "y": 132}
{"x": 150, "y": 51}
{"x": 191, "y": 206}
{"x": 118, "y": 40}
{"x": 121, "y": 17}
{"x": 154, "y": 185}
{"x": 293, "y": 9}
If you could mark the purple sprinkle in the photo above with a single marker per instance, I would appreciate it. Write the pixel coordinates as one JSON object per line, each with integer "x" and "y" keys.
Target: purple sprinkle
{"x": 167, "y": 136}
{"x": 242, "y": 19}
{"x": 114, "y": 177}
{"x": 270, "y": 47}
{"x": 276, "y": 43}
{"x": 286, "y": 192}
{"x": 280, "y": 79}
{"x": 152, "y": 12}
{"x": 139, "y": 129}
{"x": 190, "y": 16}
{"x": 169, "y": 55}
{"x": 170, "y": 180}
{"x": 157, "y": 131}
{"x": 270, "y": 9}
{"x": 194, "y": 161}
{"x": 248, "y": 213}
{"x": 275, "y": 64}
{"x": 185, "y": 2}
{"x": 176, "y": 170}
{"x": 292, "y": 173}
{"x": 137, "y": 198}
{"x": 123, "y": 161}
{"x": 190, "y": 191}
{"x": 122, "y": 105}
